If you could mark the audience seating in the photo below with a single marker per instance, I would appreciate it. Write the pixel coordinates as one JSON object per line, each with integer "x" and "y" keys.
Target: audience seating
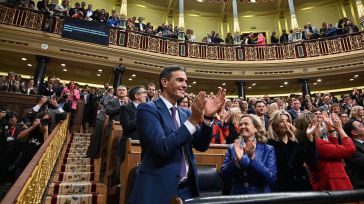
{"x": 207, "y": 162}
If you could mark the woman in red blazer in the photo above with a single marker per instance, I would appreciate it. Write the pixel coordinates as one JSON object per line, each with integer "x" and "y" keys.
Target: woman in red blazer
{"x": 328, "y": 173}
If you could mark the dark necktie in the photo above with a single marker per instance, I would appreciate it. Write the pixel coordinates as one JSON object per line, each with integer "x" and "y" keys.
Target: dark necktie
{"x": 183, "y": 170}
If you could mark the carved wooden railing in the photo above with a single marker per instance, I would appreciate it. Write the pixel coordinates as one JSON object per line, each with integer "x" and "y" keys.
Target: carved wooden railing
{"x": 150, "y": 43}
{"x": 31, "y": 184}
{"x": 22, "y": 17}
{"x": 305, "y": 49}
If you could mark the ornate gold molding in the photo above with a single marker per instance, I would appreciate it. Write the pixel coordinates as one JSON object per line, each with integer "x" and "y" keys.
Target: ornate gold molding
{"x": 34, "y": 179}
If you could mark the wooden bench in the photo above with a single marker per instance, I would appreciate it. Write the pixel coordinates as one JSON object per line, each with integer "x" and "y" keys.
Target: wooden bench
{"x": 112, "y": 144}
{"x": 214, "y": 156}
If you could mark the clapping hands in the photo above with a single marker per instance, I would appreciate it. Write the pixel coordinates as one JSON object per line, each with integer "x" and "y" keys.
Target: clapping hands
{"x": 312, "y": 128}
{"x": 208, "y": 105}
{"x": 248, "y": 148}
{"x": 333, "y": 121}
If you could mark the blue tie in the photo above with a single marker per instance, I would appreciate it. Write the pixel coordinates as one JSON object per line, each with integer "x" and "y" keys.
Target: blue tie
{"x": 183, "y": 170}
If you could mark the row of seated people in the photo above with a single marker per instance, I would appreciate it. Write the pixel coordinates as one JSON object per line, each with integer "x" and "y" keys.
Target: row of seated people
{"x": 292, "y": 148}
{"x": 21, "y": 137}
{"x": 309, "y": 32}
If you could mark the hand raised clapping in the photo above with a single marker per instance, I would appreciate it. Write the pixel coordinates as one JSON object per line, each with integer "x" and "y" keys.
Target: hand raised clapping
{"x": 312, "y": 128}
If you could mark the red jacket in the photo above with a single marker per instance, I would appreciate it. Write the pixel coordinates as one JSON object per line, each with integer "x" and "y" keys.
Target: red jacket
{"x": 218, "y": 128}
{"x": 328, "y": 173}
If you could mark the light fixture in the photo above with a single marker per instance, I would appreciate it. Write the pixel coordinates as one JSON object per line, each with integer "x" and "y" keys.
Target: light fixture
{"x": 286, "y": 82}
{"x": 139, "y": 5}
{"x": 64, "y": 70}
{"x": 194, "y": 82}
{"x": 98, "y": 75}
{"x": 130, "y": 79}
{"x": 249, "y": 87}
{"x": 356, "y": 76}
{"x": 63, "y": 65}
{"x": 100, "y": 70}
{"x": 189, "y": 86}
{"x": 29, "y": 65}
{"x": 248, "y": 16}
{"x": 253, "y": 84}
{"x": 319, "y": 80}
{"x": 307, "y": 8}
{"x": 200, "y": 1}
{"x": 281, "y": 86}
{"x": 133, "y": 75}
{"x": 223, "y": 84}
{"x": 219, "y": 87}
{"x": 351, "y": 79}
{"x": 193, "y": 15}
{"x": 24, "y": 59}
{"x": 253, "y": 1}
{"x": 315, "y": 84}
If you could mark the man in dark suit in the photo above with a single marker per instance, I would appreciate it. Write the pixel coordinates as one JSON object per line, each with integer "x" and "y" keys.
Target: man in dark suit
{"x": 113, "y": 106}
{"x": 137, "y": 95}
{"x": 355, "y": 165}
{"x": 151, "y": 95}
{"x": 260, "y": 109}
{"x": 295, "y": 111}
{"x": 140, "y": 25}
{"x": 167, "y": 134}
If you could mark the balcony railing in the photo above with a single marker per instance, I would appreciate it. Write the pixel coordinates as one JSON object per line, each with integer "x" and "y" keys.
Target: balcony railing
{"x": 140, "y": 41}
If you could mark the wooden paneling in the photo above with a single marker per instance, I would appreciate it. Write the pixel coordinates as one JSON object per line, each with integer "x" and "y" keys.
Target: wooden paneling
{"x": 17, "y": 103}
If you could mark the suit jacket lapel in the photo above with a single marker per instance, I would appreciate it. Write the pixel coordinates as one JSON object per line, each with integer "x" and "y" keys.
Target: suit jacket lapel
{"x": 166, "y": 115}
{"x": 359, "y": 146}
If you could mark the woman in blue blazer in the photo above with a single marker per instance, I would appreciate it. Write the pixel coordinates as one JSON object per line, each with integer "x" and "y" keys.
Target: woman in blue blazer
{"x": 249, "y": 162}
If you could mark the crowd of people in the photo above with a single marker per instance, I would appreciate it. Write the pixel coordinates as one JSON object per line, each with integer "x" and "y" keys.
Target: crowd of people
{"x": 83, "y": 11}
{"x": 275, "y": 144}
{"x": 21, "y": 137}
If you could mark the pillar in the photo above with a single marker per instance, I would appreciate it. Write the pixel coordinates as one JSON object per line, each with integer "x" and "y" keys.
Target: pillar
{"x": 305, "y": 87}
{"x": 123, "y": 14}
{"x": 360, "y": 10}
{"x": 294, "y": 23}
{"x": 236, "y": 26}
{"x": 181, "y": 21}
{"x": 40, "y": 70}
{"x": 118, "y": 74}
{"x": 241, "y": 89}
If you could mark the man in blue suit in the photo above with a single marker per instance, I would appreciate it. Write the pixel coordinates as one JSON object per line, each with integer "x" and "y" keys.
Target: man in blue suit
{"x": 295, "y": 111}
{"x": 167, "y": 135}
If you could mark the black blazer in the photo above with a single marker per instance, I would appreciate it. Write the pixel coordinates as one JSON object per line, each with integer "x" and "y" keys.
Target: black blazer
{"x": 128, "y": 121}
{"x": 355, "y": 166}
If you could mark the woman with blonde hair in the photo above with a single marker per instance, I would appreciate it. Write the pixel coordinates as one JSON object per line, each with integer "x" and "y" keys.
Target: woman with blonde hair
{"x": 272, "y": 108}
{"x": 232, "y": 121}
{"x": 328, "y": 172}
{"x": 357, "y": 113}
{"x": 249, "y": 162}
{"x": 291, "y": 154}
